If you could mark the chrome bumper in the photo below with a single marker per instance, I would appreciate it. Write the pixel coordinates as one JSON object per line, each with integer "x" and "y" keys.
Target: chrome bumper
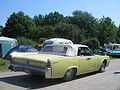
{"x": 28, "y": 69}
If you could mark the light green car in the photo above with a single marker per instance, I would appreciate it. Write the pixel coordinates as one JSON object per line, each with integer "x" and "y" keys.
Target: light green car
{"x": 59, "y": 61}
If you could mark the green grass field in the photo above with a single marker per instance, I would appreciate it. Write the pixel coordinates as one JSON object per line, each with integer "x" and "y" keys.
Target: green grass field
{"x": 3, "y": 65}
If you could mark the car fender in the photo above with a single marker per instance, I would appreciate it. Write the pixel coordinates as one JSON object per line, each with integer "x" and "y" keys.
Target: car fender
{"x": 72, "y": 67}
{"x": 106, "y": 60}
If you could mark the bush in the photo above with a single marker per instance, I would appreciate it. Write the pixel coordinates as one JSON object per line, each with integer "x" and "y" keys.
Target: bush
{"x": 25, "y": 41}
{"x": 41, "y": 40}
{"x": 93, "y": 43}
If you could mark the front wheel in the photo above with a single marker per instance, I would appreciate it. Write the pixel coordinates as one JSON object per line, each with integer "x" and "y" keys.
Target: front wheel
{"x": 70, "y": 74}
{"x": 102, "y": 68}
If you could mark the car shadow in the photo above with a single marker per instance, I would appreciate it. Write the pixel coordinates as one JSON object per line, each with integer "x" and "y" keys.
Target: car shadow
{"x": 85, "y": 75}
{"x": 32, "y": 82}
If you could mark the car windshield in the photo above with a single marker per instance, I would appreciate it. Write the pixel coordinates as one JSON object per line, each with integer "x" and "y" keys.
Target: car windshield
{"x": 59, "y": 50}
{"x": 27, "y": 49}
{"x": 31, "y": 50}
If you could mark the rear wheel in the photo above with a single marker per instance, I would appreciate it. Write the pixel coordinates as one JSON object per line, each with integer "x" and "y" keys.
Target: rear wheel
{"x": 70, "y": 74}
{"x": 102, "y": 68}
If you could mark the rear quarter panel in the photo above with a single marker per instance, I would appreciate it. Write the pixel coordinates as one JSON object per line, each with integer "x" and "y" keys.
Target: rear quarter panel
{"x": 61, "y": 65}
{"x": 101, "y": 59}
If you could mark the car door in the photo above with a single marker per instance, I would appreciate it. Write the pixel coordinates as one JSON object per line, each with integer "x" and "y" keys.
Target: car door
{"x": 88, "y": 58}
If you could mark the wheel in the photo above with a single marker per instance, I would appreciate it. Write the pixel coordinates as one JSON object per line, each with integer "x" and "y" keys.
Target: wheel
{"x": 102, "y": 68}
{"x": 70, "y": 74}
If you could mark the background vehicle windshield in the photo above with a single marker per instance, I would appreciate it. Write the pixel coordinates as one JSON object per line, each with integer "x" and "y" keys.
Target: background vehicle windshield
{"x": 60, "y": 50}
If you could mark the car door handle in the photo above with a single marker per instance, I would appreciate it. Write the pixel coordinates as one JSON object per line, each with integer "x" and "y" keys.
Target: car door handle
{"x": 88, "y": 58}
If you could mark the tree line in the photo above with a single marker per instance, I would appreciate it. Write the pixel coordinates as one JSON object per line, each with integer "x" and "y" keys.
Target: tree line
{"x": 81, "y": 27}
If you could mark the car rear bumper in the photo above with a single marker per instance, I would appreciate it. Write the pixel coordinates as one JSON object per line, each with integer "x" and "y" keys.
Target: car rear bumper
{"x": 32, "y": 70}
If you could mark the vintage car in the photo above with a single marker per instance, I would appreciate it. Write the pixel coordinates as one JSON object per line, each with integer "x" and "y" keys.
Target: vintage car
{"x": 59, "y": 61}
{"x": 20, "y": 48}
{"x": 109, "y": 48}
{"x": 115, "y": 53}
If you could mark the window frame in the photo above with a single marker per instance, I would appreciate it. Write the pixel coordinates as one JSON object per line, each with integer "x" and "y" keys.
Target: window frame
{"x": 85, "y": 53}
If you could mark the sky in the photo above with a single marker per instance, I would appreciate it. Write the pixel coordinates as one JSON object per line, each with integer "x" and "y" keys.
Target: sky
{"x": 98, "y": 8}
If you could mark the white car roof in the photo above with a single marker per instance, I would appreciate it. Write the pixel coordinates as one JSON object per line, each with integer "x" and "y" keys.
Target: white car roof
{"x": 77, "y": 45}
{"x": 73, "y": 48}
{"x": 59, "y": 41}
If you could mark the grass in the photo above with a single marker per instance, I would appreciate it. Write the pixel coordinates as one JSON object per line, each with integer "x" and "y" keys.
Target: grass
{"x": 3, "y": 65}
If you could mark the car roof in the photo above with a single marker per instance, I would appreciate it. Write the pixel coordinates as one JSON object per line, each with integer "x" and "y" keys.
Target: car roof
{"x": 58, "y": 40}
{"x": 73, "y": 48}
{"x": 77, "y": 45}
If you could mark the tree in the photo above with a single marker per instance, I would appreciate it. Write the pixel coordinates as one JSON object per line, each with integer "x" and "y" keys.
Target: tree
{"x": 86, "y": 21}
{"x": 25, "y": 41}
{"x": 18, "y": 24}
{"x": 107, "y": 31}
{"x": 80, "y": 27}
{"x": 68, "y": 31}
{"x": 93, "y": 43}
{"x": 41, "y": 40}
{"x": 118, "y": 32}
{"x": 1, "y": 28}
{"x": 46, "y": 32}
{"x": 53, "y": 18}
{"x": 118, "y": 35}
{"x": 39, "y": 20}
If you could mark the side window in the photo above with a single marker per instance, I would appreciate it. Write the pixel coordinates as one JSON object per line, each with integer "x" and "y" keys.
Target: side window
{"x": 84, "y": 51}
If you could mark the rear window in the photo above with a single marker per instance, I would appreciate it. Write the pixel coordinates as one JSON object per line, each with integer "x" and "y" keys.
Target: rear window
{"x": 61, "y": 50}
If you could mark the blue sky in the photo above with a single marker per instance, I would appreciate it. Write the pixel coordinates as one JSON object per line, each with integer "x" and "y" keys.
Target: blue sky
{"x": 98, "y": 8}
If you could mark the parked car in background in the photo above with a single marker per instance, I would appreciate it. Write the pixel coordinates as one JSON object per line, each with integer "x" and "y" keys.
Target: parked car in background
{"x": 104, "y": 51}
{"x": 115, "y": 53}
{"x": 59, "y": 61}
{"x": 20, "y": 48}
{"x": 111, "y": 47}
